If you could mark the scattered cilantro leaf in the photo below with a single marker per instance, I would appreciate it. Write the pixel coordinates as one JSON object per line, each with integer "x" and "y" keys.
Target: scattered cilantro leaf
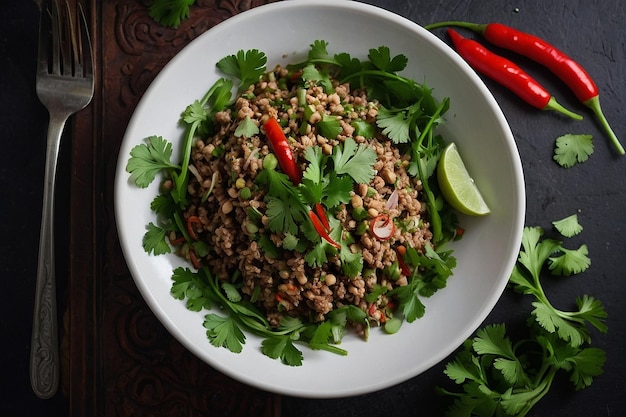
{"x": 170, "y": 12}
{"x": 570, "y": 261}
{"x": 572, "y": 149}
{"x": 568, "y": 226}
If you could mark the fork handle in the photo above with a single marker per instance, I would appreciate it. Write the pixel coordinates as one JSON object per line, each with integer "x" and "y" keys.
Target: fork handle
{"x": 44, "y": 354}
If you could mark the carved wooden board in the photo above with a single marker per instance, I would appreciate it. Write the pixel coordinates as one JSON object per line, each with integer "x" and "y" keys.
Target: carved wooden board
{"x": 118, "y": 359}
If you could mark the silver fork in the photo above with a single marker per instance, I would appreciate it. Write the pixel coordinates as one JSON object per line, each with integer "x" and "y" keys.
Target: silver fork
{"x": 65, "y": 85}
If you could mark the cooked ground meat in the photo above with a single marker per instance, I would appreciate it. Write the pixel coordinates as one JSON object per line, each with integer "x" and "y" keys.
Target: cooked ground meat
{"x": 224, "y": 194}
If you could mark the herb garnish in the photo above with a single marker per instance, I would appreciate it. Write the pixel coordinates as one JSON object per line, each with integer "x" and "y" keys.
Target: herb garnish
{"x": 503, "y": 378}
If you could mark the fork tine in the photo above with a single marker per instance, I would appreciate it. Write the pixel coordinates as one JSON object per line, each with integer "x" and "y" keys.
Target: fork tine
{"x": 66, "y": 28}
{"x": 55, "y": 29}
{"x": 84, "y": 44}
{"x": 43, "y": 48}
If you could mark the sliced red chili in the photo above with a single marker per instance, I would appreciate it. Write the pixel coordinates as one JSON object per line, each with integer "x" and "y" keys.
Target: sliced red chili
{"x": 319, "y": 228}
{"x": 193, "y": 225}
{"x": 382, "y": 226}
{"x": 283, "y": 152}
{"x": 178, "y": 241}
{"x": 404, "y": 268}
{"x": 321, "y": 213}
{"x": 194, "y": 259}
{"x": 507, "y": 73}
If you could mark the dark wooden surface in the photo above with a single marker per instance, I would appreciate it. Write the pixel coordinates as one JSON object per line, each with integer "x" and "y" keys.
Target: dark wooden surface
{"x": 119, "y": 361}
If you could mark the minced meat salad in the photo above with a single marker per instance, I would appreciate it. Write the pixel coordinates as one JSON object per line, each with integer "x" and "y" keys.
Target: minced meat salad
{"x": 306, "y": 202}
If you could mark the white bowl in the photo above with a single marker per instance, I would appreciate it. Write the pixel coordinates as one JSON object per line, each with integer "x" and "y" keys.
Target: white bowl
{"x": 485, "y": 255}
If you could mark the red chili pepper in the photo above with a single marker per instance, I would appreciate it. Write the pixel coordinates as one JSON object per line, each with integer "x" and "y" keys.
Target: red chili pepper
{"x": 193, "y": 223}
{"x": 321, "y": 213}
{"x": 319, "y": 228}
{"x": 283, "y": 152}
{"x": 506, "y": 73}
{"x": 539, "y": 50}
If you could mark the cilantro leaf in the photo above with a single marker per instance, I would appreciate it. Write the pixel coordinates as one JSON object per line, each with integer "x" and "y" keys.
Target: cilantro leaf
{"x": 247, "y": 66}
{"x": 154, "y": 240}
{"x": 363, "y": 128}
{"x": 586, "y": 364}
{"x": 572, "y": 149}
{"x": 311, "y": 73}
{"x": 170, "y": 13}
{"x": 315, "y": 157}
{"x": 194, "y": 112}
{"x": 337, "y": 190}
{"x": 355, "y": 160}
{"x": 381, "y": 58}
{"x": 491, "y": 340}
{"x": 246, "y": 128}
{"x": 282, "y": 347}
{"x": 570, "y": 262}
{"x": 147, "y": 159}
{"x": 329, "y": 126}
{"x": 231, "y": 292}
{"x": 283, "y": 216}
{"x": 224, "y": 332}
{"x": 408, "y": 301}
{"x": 190, "y": 286}
{"x": 394, "y": 125}
{"x": 569, "y": 226}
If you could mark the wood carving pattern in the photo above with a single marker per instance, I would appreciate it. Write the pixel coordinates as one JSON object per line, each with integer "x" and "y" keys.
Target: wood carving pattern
{"x": 143, "y": 370}
{"x": 143, "y": 41}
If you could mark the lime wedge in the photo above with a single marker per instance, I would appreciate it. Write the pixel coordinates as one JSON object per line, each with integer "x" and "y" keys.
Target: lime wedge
{"x": 457, "y": 186}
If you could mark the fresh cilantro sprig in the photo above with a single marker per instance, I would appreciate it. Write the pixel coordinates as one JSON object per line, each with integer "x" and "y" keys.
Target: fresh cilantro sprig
{"x": 498, "y": 377}
{"x": 536, "y": 253}
{"x": 502, "y": 378}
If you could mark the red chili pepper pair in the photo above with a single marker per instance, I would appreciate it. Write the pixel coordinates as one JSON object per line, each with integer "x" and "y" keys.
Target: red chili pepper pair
{"x": 507, "y": 73}
{"x": 541, "y": 51}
